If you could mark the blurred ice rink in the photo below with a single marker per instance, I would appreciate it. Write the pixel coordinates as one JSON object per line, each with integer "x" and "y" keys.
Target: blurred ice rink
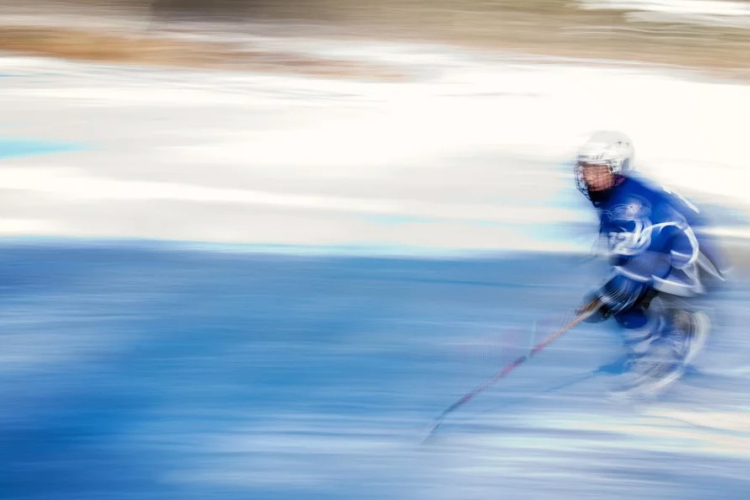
{"x": 146, "y": 370}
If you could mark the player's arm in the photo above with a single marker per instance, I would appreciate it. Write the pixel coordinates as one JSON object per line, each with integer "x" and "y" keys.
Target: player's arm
{"x": 617, "y": 294}
{"x": 637, "y": 257}
{"x": 676, "y": 240}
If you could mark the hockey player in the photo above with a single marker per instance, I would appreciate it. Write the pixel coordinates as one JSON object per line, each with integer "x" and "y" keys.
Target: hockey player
{"x": 660, "y": 261}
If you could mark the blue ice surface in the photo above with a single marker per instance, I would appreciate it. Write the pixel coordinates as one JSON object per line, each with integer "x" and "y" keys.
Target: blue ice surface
{"x": 154, "y": 372}
{"x": 15, "y": 147}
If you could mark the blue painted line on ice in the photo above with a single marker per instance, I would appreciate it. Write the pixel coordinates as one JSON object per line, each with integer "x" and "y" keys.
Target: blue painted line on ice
{"x": 14, "y": 147}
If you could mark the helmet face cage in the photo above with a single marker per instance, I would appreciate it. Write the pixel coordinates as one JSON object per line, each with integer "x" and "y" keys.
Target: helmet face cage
{"x": 580, "y": 181}
{"x": 610, "y": 149}
{"x": 614, "y": 167}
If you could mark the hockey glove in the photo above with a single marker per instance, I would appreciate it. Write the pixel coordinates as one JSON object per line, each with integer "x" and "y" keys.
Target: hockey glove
{"x": 616, "y": 295}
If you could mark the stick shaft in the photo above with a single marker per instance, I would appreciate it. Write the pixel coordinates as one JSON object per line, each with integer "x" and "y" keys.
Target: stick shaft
{"x": 586, "y": 312}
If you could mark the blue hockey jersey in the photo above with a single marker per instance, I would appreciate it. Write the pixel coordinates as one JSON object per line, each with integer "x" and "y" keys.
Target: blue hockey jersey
{"x": 654, "y": 237}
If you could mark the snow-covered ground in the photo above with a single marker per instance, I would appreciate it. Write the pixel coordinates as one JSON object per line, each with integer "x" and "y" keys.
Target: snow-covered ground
{"x": 470, "y": 152}
{"x": 723, "y": 13}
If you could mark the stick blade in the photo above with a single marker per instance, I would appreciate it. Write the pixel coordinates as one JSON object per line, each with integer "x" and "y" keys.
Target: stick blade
{"x": 432, "y": 431}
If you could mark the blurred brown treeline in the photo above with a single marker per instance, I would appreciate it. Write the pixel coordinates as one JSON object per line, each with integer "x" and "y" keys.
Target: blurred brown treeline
{"x": 316, "y": 10}
{"x": 549, "y": 27}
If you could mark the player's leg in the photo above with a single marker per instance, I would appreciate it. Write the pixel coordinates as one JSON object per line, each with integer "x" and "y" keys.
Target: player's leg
{"x": 689, "y": 324}
{"x": 647, "y": 339}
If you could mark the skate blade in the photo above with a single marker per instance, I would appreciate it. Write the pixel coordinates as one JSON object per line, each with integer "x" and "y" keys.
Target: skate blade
{"x": 699, "y": 341}
{"x": 647, "y": 386}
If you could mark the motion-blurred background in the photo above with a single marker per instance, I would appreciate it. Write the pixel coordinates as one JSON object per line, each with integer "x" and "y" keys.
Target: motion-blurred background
{"x": 251, "y": 248}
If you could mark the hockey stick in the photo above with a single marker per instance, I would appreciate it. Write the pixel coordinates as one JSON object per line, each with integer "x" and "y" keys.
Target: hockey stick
{"x": 586, "y": 311}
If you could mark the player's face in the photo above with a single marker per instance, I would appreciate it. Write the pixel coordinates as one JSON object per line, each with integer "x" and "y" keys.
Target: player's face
{"x": 597, "y": 177}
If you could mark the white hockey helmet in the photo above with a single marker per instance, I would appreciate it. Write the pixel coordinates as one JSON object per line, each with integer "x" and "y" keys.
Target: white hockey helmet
{"x": 609, "y": 148}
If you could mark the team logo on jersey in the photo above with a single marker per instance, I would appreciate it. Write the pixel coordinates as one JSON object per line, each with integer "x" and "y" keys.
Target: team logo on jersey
{"x": 633, "y": 210}
{"x": 631, "y": 240}
{"x": 634, "y": 235}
